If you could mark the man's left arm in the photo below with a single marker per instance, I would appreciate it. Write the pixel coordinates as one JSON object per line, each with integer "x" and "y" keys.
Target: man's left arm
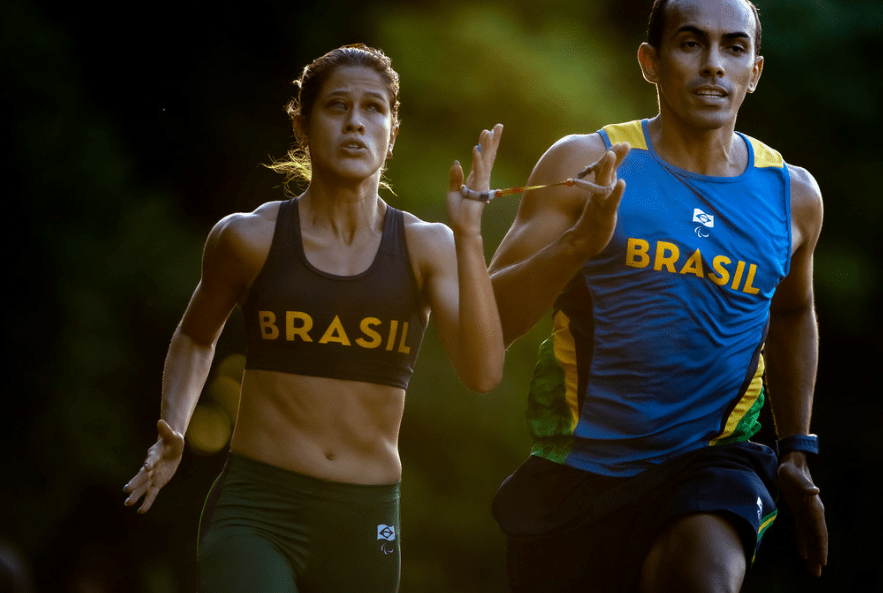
{"x": 792, "y": 360}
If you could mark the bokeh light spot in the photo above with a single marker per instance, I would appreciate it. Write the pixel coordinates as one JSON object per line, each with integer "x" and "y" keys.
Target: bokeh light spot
{"x": 224, "y": 391}
{"x": 209, "y": 429}
{"x": 232, "y": 366}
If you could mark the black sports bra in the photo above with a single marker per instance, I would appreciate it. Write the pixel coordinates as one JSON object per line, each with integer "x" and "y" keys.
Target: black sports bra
{"x": 301, "y": 320}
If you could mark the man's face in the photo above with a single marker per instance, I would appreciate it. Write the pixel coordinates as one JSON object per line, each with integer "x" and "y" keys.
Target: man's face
{"x": 706, "y": 62}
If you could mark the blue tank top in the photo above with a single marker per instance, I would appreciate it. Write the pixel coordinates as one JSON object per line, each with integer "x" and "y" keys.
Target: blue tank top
{"x": 301, "y": 320}
{"x": 657, "y": 342}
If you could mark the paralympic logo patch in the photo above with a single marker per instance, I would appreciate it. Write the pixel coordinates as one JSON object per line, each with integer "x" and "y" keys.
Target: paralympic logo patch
{"x": 705, "y": 220}
{"x": 387, "y": 533}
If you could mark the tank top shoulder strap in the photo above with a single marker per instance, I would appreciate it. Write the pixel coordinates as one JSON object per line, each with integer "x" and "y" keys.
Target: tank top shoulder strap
{"x": 393, "y": 241}
{"x": 394, "y": 247}
{"x": 287, "y": 234}
{"x": 279, "y": 246}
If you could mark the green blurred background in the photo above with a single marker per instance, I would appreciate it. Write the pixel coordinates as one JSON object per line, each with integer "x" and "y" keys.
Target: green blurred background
{"x": 130, "y": 130}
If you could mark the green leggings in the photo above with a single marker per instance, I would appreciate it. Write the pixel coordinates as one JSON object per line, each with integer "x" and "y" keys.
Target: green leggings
{"x": 266, "y": 529}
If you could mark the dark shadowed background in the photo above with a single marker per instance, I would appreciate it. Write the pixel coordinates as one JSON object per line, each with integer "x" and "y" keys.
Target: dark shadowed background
{"x": 130, "y": 130}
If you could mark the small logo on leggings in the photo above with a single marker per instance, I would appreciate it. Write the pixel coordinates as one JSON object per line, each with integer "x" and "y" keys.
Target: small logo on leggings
{"x": 388, "y": 534}
{"x": 759, "y": 509}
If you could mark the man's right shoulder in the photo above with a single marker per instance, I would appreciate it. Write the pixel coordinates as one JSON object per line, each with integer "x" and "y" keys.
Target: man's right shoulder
{"x": 592, "y": 141}
{"x": 630, "y": 132}
{"x": 565, "y": 159}
{"x": 573, "y": 153}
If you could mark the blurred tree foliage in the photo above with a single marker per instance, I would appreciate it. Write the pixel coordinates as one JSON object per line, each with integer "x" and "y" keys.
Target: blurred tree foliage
{"x": 127, "y": 138}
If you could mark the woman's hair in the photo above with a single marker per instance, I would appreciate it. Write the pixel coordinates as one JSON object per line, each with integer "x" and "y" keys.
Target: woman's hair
{"x": 296, "y": 164}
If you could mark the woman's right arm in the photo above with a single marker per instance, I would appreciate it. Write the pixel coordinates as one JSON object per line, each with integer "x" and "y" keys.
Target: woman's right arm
{"x": 228, "y": 267}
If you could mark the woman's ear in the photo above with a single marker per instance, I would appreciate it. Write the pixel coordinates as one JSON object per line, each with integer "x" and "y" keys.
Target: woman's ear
{"x": 392, "y": 141}
{"x": 301, "y": 131}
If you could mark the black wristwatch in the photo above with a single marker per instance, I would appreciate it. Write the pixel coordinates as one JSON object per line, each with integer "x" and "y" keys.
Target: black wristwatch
{"x": 807, "y": 443}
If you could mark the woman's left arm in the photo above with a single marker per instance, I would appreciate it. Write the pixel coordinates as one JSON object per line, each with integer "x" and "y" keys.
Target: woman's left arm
{"x": 457, "y": 285}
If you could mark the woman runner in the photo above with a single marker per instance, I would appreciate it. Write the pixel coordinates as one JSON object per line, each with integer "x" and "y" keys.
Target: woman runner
{"x": 336, "y": 287}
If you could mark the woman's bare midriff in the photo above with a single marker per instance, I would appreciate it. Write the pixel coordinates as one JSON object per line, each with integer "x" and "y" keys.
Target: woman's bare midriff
{"x": 343, "y": 431}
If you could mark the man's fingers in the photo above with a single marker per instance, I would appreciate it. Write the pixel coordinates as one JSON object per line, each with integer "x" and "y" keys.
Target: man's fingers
{"x": 585, "y": 172}
{"x": 604, "y": 167}
{"x": 602, "y": 193}
{"x": 812, "y": 530}
{"x": 612, "y": 201}
{"x": 817, "y": 556}
{"x": 596, "y": 169}
{"x": 606, "y": 172}
{"x": 621, "y": 151}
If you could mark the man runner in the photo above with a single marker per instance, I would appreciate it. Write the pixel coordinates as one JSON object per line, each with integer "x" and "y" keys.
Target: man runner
{"x": 682, "y": 298}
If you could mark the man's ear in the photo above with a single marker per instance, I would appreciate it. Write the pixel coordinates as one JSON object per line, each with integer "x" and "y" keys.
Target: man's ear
{"x": 648, "y": 59}
{"x": 755, "y": 76}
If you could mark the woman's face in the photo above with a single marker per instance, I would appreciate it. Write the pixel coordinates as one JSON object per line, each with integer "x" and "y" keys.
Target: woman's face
{"x": 350, "y": 129}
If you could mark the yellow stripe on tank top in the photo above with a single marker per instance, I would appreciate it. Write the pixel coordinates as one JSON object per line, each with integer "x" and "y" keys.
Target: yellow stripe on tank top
{"x": 748, "y": 398}
{"x": 565, "y": 354}
{"x": 631, "y": 132}
{"x": 764, "y": 156}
